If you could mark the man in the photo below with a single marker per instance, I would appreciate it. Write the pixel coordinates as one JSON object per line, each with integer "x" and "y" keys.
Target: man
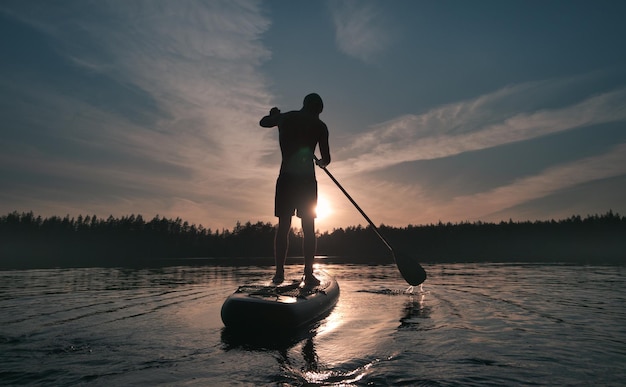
{"x": 299, "y": 132}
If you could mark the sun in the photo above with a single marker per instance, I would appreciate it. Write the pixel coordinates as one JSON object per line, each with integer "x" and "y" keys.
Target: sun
{"x": 323, "y": 208}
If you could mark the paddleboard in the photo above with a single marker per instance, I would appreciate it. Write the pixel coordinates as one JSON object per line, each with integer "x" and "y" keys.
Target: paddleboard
{"x": 291, "y": 304}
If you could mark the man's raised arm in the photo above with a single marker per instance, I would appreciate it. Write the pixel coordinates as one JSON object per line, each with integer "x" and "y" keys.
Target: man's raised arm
{"x": 272, "y": 119}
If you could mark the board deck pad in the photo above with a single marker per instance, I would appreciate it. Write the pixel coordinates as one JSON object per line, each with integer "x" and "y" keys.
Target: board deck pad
{"x": 294, "y": 288}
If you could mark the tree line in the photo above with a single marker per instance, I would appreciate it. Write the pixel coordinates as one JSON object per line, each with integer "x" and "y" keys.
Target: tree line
{"x": 27, "y": 240}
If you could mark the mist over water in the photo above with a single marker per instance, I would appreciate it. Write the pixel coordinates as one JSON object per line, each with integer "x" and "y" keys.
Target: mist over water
{"x": 469, "y": 324}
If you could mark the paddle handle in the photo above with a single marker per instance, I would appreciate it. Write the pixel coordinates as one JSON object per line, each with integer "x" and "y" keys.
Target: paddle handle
{"x": 356, "y": 205}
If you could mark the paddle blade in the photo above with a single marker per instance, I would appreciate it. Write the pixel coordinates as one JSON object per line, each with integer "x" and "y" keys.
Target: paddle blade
{"x": 411, "y": 270}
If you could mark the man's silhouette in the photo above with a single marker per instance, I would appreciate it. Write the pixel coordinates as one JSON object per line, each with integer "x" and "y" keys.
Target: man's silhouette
{"x": 299, "y": 132}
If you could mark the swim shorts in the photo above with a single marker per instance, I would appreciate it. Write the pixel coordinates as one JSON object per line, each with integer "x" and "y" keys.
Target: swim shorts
{"x": 295, "y": 194}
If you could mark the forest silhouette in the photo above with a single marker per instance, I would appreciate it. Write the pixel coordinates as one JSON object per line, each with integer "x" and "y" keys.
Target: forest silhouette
{"x": 29, "y": 241}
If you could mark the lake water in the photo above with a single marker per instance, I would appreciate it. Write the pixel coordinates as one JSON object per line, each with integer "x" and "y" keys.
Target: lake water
{"x": 469, "y": 324}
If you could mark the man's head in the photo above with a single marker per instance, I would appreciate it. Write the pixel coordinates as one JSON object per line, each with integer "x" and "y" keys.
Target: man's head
{"x": 313, "y": 103}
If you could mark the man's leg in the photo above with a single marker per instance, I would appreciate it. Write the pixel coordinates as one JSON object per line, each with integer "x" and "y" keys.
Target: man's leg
{"x": 308, "y": 247}
{"x": 281, "y": 245}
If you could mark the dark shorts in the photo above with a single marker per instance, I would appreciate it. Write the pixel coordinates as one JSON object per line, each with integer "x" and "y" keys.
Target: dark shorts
{"x": 295, "y": 194}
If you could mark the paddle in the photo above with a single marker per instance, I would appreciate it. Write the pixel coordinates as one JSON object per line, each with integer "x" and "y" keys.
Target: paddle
{"x": 410, "y": 269}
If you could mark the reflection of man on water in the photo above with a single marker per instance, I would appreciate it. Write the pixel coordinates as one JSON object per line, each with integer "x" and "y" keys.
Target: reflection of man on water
{"x": 300, "y": 131}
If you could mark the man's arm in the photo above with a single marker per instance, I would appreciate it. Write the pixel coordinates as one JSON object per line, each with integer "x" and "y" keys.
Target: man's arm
{"x": 272, "y": 119}
{"x": 324, "y": 149}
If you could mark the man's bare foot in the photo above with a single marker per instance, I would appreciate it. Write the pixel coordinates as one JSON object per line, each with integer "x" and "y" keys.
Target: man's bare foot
{"x": 310, "y": 280}
{"x": 278, "y": 278}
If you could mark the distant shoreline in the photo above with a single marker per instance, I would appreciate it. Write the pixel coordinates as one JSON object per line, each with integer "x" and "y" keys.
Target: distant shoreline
{"x": 29, "y": 241}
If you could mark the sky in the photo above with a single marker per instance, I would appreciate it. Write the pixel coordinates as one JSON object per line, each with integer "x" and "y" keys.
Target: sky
{"x": 447, "y": 110}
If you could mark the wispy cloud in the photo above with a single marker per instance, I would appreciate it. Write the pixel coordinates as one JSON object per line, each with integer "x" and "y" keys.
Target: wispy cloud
{"x": 360, "y": 28}
{"x": 499, "y": 203}
{"x": 481, "y": 123}
{"x": 194, "y": 68}
{"x": 512, "y": 114}
{"x": 550, "y": 181}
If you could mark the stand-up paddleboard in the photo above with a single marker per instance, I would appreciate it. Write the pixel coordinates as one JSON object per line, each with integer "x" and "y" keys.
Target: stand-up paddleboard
{"x": 290, "y": 304}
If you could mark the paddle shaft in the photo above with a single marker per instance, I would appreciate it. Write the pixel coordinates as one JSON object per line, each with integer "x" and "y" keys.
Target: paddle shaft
{"x": 357, "y": 206}
{"x": 411, "y": 271}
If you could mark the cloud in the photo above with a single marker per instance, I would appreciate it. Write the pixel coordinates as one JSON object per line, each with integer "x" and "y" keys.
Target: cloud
{"x": 360, "y": 29}
{"x": 402, "y": 203}
{"x": 481, "y": 123}
{"x": 509, "y": 115}
{"x": 185, "y": 138}
{"x": 550, "y": 181}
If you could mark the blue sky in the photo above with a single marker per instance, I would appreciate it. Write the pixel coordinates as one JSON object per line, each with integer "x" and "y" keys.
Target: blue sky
{"x": 438, "y": 110}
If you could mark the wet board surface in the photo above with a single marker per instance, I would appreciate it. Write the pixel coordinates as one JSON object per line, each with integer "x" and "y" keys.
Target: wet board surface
{"x": 289, "y": 304}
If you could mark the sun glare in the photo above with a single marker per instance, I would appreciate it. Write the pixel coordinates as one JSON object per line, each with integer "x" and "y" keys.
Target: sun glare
{"x": 323, "y": 208}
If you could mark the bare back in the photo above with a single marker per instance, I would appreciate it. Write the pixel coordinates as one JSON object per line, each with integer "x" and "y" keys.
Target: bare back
{"x": 299, "y": 134}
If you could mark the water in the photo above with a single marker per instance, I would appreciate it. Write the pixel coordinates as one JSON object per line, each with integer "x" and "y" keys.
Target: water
{"x": 470, "y": 324}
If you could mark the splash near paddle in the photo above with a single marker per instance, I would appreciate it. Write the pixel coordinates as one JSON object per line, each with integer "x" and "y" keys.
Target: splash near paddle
{"x": 290, "y": 304}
